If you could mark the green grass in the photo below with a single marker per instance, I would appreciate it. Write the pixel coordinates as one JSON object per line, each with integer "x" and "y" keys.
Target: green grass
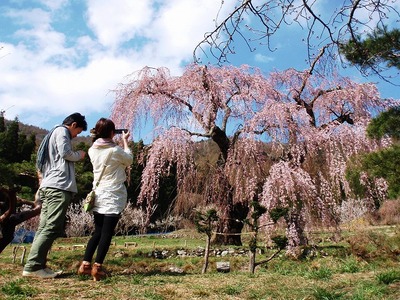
{"x": 389, "y": 277}
{"x": 323, "y": 294}
{"x": 350, "y": 265}
{"x": 322, "y": 273}
{"x": 370, "y": 290}
{"x": 331, "y": 272}
{"x": 231, "y": 290}
{"x": 17, "y": 289}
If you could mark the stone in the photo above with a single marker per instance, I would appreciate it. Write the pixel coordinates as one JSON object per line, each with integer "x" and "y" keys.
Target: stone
{"x": 223, "y": 266}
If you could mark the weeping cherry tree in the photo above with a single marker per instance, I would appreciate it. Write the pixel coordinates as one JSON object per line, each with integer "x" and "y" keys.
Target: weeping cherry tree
{"x": 268, "y": 131}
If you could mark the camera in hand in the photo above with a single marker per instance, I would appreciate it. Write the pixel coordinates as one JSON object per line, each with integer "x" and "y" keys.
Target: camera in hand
{"x": 119, "y": 131}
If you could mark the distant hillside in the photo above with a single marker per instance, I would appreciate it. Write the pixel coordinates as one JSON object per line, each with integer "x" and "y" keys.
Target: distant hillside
{"x": 30, "y": 129}
{"x": 40, "y": 133}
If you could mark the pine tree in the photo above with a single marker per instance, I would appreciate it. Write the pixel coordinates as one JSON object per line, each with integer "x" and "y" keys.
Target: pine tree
{"x": 10, "y": 146}
{"x": 379, "y": 48}
{"x": 2, "y": 122}
{"x": 385, "y": 163}
{"x": 16, "y": 151}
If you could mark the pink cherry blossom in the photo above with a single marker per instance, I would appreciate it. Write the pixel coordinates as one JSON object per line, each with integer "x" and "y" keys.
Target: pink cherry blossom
{"x": 271, "y": 132}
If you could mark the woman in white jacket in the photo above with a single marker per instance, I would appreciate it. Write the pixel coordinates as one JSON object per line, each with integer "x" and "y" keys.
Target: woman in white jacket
{"x": 111, "y": 194}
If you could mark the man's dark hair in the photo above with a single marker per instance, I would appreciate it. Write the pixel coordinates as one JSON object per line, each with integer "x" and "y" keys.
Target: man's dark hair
{"x": 78, "y": 118}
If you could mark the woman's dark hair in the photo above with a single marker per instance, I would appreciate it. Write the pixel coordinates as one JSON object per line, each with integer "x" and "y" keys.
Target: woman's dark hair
{"x": 78, "y": 118}
{"x": 103, "y": 129}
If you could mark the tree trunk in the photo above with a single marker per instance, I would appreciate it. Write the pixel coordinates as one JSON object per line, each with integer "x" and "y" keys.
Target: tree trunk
{"x": 295, "y": 234}
{"x": 231, "y": 224}
{"x": 206, "y": 255}
{"x": 253, "y": 249}
{"x": 252, "y": 264}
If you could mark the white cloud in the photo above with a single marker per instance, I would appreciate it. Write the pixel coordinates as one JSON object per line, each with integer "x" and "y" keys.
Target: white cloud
{"x": 50, "y": 67}
{"x": 46, "y": 73}
{"x": 38, "y": 91}
{"x": 117, "y": 21}
{"x": 177, "y": 32}
{"x": 54, "y": 4}
{"x": 263, "y": 58}
{"x": 35, "y": 17}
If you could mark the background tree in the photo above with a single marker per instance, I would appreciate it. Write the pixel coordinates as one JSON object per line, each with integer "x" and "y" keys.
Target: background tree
{"x": 9, "y": 140}
{"x": 378, "y": 51}
{"x": 205, "y": 223}
{"x": 15, "y": 145}
{"x": 384, "y": 163}
{"x": 280, "y": 241}
{"x": 16, "y": 149}
{"x": 2, "y": 120}
{"x": 240, "y": 110}
{"x": 386, "y": 124}
{"x": 84, "y": 173}
{"x": 256, "y": 23}
{"x": 135, "y": 172}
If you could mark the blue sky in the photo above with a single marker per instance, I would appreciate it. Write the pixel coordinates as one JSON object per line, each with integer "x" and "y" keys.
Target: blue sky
{"x": 62, "y": 56}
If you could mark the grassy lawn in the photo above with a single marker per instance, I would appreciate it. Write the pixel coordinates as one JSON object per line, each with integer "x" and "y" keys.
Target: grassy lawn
{"x": 330, "y": 270}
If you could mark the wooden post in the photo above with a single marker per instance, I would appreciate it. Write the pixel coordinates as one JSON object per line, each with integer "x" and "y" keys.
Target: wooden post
{"x": 15, "y": 250}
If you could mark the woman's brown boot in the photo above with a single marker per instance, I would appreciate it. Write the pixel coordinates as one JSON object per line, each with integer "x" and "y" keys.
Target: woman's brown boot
{"x": 85, "y": 268}
{"x": 97, "y": 272}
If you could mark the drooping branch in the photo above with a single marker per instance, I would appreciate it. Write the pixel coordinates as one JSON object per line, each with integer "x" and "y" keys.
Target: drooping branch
{"x": 263, "y": 118}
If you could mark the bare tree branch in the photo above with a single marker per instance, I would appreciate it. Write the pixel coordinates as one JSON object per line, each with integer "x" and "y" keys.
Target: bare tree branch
{"x": 348, "y": 21}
